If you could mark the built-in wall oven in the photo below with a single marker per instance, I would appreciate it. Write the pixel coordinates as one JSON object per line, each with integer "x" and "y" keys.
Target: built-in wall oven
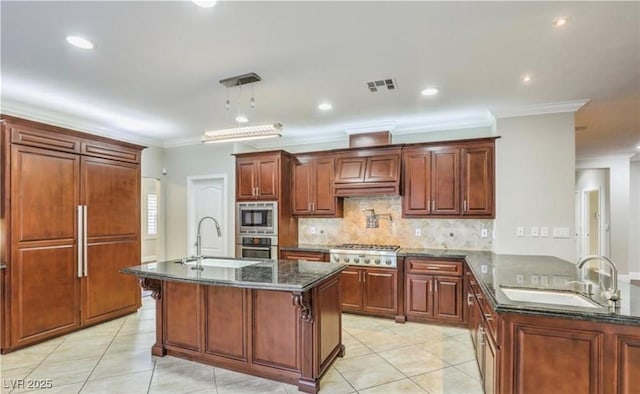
{"x": 257, "y": 230}
{"x": 257, "y": 218}
{"x": 262, "y": 247}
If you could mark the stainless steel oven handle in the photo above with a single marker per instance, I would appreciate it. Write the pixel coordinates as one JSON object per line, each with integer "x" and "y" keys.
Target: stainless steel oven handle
{"x": 255, "y": 247}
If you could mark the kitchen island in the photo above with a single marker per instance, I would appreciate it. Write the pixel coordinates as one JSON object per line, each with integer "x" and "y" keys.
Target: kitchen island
{"x": 277, "y": 319}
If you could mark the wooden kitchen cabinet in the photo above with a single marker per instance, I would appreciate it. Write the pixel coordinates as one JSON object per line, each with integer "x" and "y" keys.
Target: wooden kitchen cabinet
{"x": 304, "y": 255}
{"x": 258, "y": 177}
{"x": 60, "y": 278}
{"x": 433, "y": 290}
{"x": 313, "y": 177}
{"x": 367, "y": 172}
{"x": 453, "y": 180}
{"x": 478, "y": 180}
{"x": 369, "y": 290}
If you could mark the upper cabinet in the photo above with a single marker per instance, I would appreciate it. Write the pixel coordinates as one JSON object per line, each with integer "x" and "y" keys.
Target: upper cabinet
{"x": 313, "y": 177}
{"x": 449, "y": 180}
{"x": 477, "y": 180}
{"x": 258, "y": 177}
{"x": 368, "y": 172}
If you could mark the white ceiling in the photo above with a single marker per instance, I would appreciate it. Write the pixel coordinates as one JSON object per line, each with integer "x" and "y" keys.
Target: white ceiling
{"x": 154, "y": 73}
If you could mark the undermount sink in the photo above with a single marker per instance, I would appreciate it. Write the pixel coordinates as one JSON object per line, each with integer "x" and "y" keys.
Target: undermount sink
{"x": 554, "y": 297}
{"x": 222, "y": 263}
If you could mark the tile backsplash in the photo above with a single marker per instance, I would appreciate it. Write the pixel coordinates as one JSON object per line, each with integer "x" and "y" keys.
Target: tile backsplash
{"x": 435, "y": 233}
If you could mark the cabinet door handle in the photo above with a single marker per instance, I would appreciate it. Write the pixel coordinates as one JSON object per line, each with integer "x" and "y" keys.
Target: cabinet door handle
{"x": 488, "y": 317}
{"x": 309, "y": 206}
{"x": 482, "y": 334}
{"x": 433, "y": 206}
{"x": 80, "y": 240}
{"x": 433, "y": 267}
{"x": 464, "y": 206}
{"x": 430, "y": 286}
{"x": 313, "y": 206}
{"x": 86, "y": 240}
{"x": 469, "y": 296}
{"x": 364, "y": 277}
{"x": 428, "y": 205}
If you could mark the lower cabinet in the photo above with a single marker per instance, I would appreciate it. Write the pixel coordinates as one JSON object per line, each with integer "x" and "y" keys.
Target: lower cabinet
{"x": 303, "y": 255}
{"x": 369, "y": 290}
{"x": 433, "y": 297}
{"x": 520, "y": 353}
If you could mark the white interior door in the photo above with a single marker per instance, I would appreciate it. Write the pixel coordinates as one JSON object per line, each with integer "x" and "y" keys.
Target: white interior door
{"x": 207, "y": 196}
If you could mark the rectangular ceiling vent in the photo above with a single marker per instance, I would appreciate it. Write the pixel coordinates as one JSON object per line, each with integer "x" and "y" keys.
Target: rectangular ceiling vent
{"x": 381, "y": 84}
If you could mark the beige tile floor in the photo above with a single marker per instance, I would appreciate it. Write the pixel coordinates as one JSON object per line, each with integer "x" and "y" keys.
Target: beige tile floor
{"x": 114, "y": 357}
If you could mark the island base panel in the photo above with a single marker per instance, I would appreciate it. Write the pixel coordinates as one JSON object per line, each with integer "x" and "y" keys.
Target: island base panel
{"x": 286, "y": 336}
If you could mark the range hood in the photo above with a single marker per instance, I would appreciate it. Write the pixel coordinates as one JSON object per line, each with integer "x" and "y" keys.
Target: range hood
{"x": 368, "y": 172}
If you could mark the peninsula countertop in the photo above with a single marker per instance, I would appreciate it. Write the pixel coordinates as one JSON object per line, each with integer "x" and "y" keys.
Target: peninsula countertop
{"x": 284, "y": 275}
{"x": 497, "y": 271}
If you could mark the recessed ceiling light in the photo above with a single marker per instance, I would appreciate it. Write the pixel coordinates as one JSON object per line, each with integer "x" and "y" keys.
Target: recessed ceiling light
{"x": 560, "y": 22}
{"x": 638, "y": 147}
{"x": 204, "y": 3}
{"x": 325, "y": 106}
{"x": 80, "y": 42}
{"x": 429, "y": 92}
{"x": 526, "y": 78}
{"x": 241, "y": 119}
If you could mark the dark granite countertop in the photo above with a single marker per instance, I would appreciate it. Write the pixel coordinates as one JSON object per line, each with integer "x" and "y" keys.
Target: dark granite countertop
{"x": 495, "y": 272}
{"x": 284, "y": 275}
{"x": 308, "y": 248}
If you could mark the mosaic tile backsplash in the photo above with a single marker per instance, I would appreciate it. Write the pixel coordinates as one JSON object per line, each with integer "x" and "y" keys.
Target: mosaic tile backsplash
{"x": 435, "y": 233}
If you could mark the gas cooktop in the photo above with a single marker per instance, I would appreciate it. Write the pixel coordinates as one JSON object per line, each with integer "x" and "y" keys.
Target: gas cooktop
{"x": 365, "y": 254}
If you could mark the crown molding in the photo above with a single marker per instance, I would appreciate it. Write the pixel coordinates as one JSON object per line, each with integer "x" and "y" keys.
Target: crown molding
{"x": 71, "y": 122}
{"x": 539, "y": 109}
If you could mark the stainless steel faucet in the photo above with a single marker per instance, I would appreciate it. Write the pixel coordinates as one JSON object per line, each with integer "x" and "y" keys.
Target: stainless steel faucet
{"x": 613, "y": 293}
{"x": 199, "y": 237}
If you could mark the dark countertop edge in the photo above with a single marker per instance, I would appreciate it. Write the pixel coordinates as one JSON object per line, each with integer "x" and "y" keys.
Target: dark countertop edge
{"x": 243, "y": 285}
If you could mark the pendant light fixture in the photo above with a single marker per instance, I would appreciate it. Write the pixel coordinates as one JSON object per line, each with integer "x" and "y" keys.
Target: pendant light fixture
{"x": 242, "y": 133}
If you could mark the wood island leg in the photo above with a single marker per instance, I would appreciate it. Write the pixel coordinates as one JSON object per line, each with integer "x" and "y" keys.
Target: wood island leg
{"x": 155, "y": 286}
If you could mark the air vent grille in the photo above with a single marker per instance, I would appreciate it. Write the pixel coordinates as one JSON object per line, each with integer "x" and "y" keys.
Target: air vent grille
{"x": 381, "y": 84}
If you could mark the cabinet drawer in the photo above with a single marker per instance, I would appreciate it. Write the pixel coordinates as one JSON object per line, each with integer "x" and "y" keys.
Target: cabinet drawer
{"x": 490, "y": 316}
{"x": 303, "y": 255}
{"x": 437, "y": 267}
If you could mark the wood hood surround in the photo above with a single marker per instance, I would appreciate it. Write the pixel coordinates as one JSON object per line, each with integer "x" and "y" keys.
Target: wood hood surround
{"x": 368, "y": 172}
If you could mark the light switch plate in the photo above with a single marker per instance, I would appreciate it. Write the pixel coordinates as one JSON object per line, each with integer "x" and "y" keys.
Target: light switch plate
{"x": 535, "y": 280}
{"x": 561, "y": 232}
{"x": 520, "y": 279}
{"x": 535, "y": 232}
{"x": 484, "y": 233}
{"x": 520, "y": 231}
{"x": 544, "y": 231}
{"x": 418, "y": 232}
{"x": 312, "y": 230}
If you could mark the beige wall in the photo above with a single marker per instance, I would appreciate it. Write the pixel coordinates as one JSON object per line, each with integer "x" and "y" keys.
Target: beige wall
{"x": 535, "y": 172}
{"x": 195, "y": 160}
{"x": 620, "y": 218}
{"x": 151, "y": 167}
{"x": 634, "y": 227}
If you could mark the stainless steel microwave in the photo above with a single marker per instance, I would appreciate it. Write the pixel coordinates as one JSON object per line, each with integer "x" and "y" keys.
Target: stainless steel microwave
{"x": 257, "y": 218}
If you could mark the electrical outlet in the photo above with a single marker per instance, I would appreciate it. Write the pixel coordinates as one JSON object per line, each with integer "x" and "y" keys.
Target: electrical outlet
{"x": 312, "y": 230}
{"x": 418, "y": 232}
{"x": 544, "y": 231}
{"x": 535, "y": 279}
{"x": 484, "y": 268}
{"x": 535, "y": 232}
{"x": 484, "y": 233}
{"x": 451, "y": 235}
{"x": 544, "y": 280}
{"x": 520, "y": 231}
{"x": 520, "y": 279}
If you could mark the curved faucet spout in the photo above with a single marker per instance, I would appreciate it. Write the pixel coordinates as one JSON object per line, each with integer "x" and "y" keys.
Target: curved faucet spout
{"x": 612, "y": 294}
{"x": 199, "y": 234}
